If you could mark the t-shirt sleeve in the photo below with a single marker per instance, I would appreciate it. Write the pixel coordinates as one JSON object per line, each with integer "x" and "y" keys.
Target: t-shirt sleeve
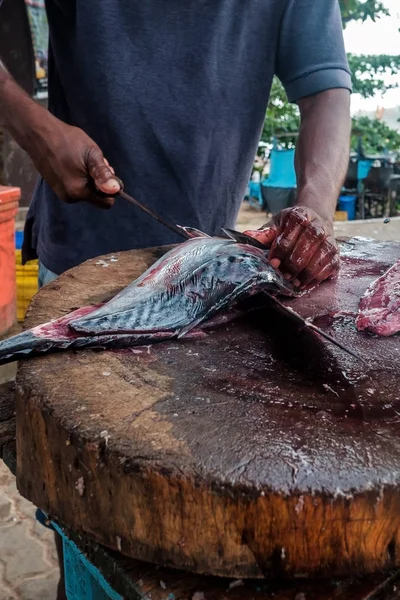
{"x": 311, "y": 57}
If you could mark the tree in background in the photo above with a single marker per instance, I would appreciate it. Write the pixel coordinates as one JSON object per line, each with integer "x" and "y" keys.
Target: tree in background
{"x": 282, "y": 118}
{"x": 361, "y": 10}
{"x": 368, "y": 72}
{"x": 376, "y": 136}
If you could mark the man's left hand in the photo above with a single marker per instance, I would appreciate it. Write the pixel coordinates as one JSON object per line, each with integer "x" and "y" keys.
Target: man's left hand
{"x": 302, "y": 246}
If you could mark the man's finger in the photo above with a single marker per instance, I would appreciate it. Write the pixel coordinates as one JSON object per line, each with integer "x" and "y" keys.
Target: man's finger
{"x": 109, "y": 166}
{"x": 292, "y": 226}
{"x": 307, "y": 244}
{"x": 323, "y": 257}
{"x": 100, "y": 201}
{"x": 328, "y": 271}
{"x": 101, "y": 173}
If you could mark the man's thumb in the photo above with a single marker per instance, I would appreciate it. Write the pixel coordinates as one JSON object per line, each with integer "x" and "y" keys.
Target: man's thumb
{"x": 101, "y": 173}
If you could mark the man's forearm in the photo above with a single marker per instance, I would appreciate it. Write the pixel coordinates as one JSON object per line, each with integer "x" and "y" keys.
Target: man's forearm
{"x": 21, "y": 116}
{"x": 64, "y": 155}
{"x": 322, "y": 151}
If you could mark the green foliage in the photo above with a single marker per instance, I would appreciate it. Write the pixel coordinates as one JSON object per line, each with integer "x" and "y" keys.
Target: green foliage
{"x": 282, "y": 118}
{"x": 368, "y": 72}
{"x": 361, "y": 10}
{"x": 376, "y": 136}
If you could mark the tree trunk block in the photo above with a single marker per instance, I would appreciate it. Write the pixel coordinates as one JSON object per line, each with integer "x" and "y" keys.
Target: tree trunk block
{"x": 256, "y": 451}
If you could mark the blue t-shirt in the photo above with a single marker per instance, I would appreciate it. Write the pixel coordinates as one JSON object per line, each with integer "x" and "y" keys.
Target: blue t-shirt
{"x": 174, "y": 93}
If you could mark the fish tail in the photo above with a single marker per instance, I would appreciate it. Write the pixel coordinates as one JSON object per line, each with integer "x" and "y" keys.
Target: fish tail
{"x": 55, "y": 335}
{"x": 22, "y": 345}
{"x": 39, "y": 340}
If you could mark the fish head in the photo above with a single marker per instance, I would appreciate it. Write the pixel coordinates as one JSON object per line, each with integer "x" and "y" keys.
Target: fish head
{"x": 255, "y": 262}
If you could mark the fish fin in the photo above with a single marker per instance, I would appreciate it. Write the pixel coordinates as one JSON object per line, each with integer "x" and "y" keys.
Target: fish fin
{"x": 192, "y": 232}
{"x": 190, "y": 326}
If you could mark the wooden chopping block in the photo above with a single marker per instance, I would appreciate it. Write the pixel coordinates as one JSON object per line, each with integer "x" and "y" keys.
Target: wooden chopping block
{"x": 256, "y": 451}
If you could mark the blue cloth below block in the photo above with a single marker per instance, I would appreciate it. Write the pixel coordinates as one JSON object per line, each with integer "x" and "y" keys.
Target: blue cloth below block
{"x": 83, "y": 581}
{"x": 43, "y": 520}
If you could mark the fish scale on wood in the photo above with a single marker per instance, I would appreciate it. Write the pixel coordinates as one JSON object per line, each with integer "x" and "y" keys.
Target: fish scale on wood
{"x": 186, "y": 287}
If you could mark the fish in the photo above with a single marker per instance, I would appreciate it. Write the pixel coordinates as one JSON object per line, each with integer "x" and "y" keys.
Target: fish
{"x": 186, "y": 288}
{"x": 379, "y": 307}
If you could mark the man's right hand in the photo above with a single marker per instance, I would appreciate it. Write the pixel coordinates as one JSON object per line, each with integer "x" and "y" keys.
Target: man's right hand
{"x": 73, "y": 165}
{"x": 68, "y": 159}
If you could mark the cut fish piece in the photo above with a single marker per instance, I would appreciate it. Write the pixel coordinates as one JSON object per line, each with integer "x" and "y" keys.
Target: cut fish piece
{"x": 379, "y": 308}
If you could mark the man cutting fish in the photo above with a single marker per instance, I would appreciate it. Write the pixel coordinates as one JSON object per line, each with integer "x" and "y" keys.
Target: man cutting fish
{"x": 172, "y": 98}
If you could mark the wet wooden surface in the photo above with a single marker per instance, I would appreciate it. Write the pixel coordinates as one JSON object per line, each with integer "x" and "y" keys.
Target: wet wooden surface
{"x": 256, "y": 451}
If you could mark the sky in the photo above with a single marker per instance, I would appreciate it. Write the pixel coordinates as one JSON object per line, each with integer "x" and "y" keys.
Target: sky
{"x": 381, "y": 37}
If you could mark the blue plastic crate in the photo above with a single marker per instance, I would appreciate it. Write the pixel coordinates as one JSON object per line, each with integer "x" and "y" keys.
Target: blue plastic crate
{"x": 348, "y": 204}
{"x": 19, "y": 238}
{"x": 363, "y": 168}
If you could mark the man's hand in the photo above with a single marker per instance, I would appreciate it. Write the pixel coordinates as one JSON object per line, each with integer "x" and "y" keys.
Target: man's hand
{"x": 302, "y": 246}
{"x": 69, "y": 160}
{"x": 301, "y": 239}
{"x": 73, "y": 165}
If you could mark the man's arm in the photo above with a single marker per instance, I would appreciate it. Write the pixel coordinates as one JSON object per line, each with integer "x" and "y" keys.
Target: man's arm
{"x": 322, "y": 151}
{"x": 312, "y": 65}
{"x": 301, "y": 238}
{"x": 71, "y": 163}
{"x": 308, "y": 252}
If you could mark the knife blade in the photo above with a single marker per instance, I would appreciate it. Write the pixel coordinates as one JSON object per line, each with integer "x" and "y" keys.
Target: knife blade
{"x": 178, "y": 230}
{"x": 306, "y": 324}
{"x": 181, "y": 232}
{"x": 242, "y": 238}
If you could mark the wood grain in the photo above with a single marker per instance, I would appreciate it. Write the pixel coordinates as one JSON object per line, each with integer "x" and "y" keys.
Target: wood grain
{"x": 7, "y": 414}
{"x": 256, "y": 451}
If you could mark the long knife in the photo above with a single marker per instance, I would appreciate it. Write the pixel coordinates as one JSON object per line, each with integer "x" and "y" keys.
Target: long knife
{"x": 170, "y": 226}
{"x": 178, "y": 230}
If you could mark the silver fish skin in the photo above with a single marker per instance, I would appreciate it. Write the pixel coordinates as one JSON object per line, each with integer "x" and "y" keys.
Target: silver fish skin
{"x": 187, "y": 286}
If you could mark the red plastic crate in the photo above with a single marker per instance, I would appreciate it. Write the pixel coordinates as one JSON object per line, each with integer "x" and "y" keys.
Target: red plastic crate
{"x": 9, "y": 202}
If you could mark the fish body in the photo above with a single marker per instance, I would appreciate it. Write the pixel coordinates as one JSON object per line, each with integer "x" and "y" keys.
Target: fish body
{"x": 189, "y": 285}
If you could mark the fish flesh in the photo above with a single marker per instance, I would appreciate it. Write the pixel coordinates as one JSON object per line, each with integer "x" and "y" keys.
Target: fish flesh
{"x": 185, "y": 288}
{"x": 379, "y": 308}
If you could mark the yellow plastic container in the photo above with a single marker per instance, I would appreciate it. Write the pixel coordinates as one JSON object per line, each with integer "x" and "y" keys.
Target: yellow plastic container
{"x": 27, "y": 283}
